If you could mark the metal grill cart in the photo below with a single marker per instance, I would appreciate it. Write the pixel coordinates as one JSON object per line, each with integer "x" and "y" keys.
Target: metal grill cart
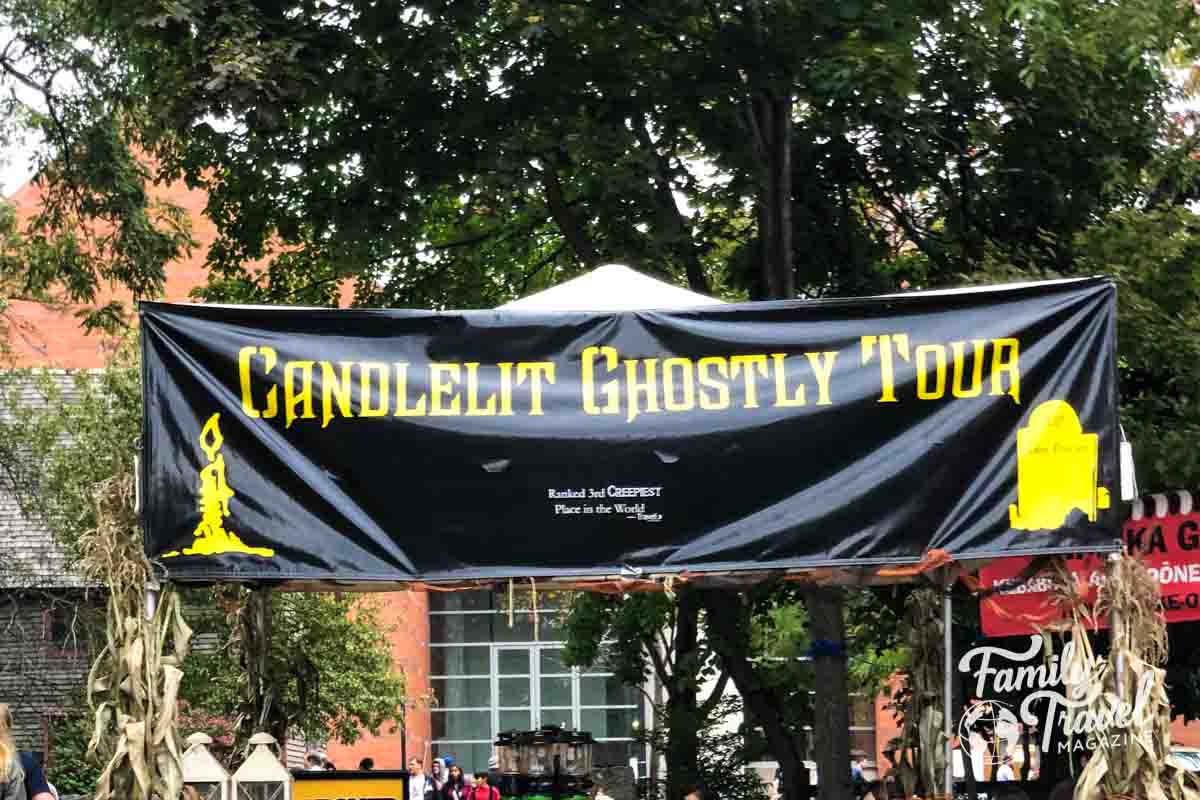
{"x": 551, "y": 763}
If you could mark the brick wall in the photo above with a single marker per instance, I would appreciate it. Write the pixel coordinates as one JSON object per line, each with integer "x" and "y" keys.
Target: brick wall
{"x": 43, "y": 336}
{"x": 408, "y": 614}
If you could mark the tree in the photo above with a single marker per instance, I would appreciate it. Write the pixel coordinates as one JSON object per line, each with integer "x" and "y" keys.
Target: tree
{"x": 462, "y": 153}
{"x": 325, "y": 672}
{"x": 659, "y": 636}
{"x": 66, "y": 93}
{"x": 324, "y": 668}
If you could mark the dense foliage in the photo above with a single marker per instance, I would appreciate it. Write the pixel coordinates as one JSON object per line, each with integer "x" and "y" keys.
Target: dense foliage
{"x": 69, "y": 769}
{"x": 457, "y": 152}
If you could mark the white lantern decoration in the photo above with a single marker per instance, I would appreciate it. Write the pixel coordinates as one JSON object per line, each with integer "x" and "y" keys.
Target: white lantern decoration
{"x": 261, "y": 776}
{"x": 202, "y": 773}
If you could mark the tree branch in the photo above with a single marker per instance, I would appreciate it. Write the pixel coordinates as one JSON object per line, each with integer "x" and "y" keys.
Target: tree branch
{"x": 566, "y": 220}
{"x": 669, "y": 212}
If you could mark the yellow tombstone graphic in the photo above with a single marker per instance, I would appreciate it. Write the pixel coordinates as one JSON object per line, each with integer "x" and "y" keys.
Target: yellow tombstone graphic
{"x": 1057, "y": 466}
{"x": 214, "y": 496}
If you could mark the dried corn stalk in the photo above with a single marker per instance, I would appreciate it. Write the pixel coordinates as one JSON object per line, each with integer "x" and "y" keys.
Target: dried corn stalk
{"x": 922, "y": 757}
{"x": 1122, "y": 699}
{"x": 134, "y": 682}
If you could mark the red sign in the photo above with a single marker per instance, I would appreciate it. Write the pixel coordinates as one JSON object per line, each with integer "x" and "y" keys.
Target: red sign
{"x": 1163, "y": 529}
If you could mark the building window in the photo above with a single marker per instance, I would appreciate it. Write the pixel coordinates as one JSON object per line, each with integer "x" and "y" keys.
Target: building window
{"x": 862, "y": 728}
{"x": 489, "y": 677}
{"x": 63, "y": 629}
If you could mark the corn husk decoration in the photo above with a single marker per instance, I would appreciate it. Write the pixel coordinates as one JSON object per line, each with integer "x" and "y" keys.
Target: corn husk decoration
{"x": 133, "y": 684}
{"x": 1121, "y": 699}
{"x": 921, "y": 751}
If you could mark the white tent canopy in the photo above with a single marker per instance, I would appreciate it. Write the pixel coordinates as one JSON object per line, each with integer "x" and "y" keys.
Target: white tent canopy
{"x": 611, "y": 287}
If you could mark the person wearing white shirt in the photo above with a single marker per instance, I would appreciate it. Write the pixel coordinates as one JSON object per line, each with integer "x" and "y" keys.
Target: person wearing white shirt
{"x": 418, "y": 781}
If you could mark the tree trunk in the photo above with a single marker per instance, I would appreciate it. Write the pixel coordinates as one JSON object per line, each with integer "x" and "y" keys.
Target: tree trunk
{"x": 261, "y": 700}
{"x": 781, "y": 175}
{"x": 771, "y": 128}
{"x": 673, "y": 222}
{"x": 683, "y": 713}
{"x": 566, "y": 220}
{"x": 831, "y": 725}
{"x": 729, "y": 629}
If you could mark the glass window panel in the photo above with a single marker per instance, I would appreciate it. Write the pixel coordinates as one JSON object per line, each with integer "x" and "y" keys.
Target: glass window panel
{"x": 514, "y": 662}
{"x": 460, "y": 628}
{"x": 556, "y": 692}
{"x": 463, "y": 692}
{"x": 608, "y": 723}
{"x": 515, "y": 721}
{"x": 205, "y": 790}
{"x": 617, "y": 752}
{"x": 595, "y": 690}
{"x": 521, "y": 630}
{"x": 552, "y": 663}
{"x": 460, "y": 601}
{"x": 522, "y": 599}
{"x": 260, "y": 791}
{"x": 514, "y": 692}
{"x": 470, "y": 757}
{"x": 549, "y": 627}
{"x": 460, "y": 660}
{"x": 558, "y": 716}
{"x": 461, "y": 724}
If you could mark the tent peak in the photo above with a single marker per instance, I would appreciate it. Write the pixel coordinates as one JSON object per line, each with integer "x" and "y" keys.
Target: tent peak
{"x": 612, "y": 287}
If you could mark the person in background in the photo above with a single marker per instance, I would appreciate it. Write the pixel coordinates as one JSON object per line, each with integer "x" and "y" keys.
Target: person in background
{"x": 418, "y": 781}
{"x": 1005, "y": 773}
{"x": 455, "y": 787}
{"x": 312, "y": 763}
{"x": 367, "y": 764}
{"x": 858, "y": 781}
{"x": 482, "y": 790}
{"x": 36, "y": 785}
{"x": 695, "y": 793}
{"x": 437, "y": 776}
{"x": 12, "y": 776}
{"x": 601, "y": 794}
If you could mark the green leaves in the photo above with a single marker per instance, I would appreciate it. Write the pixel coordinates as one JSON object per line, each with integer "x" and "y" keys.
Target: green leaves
{"x": 329, "y": 667}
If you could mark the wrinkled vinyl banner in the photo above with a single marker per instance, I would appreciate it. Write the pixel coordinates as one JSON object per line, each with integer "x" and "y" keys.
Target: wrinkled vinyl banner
{"x": 309, "y": 445}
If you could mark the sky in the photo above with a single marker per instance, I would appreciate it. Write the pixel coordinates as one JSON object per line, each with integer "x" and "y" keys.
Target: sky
{"x": 14, "y": 169}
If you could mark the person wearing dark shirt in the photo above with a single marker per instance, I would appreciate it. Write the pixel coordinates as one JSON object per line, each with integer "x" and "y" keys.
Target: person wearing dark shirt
{"x": 36, "y": 786}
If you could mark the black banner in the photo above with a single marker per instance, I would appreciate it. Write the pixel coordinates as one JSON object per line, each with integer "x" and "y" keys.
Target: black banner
{"x": 310, "y": 444}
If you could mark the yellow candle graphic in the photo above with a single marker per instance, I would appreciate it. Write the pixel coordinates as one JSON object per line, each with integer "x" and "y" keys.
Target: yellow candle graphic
{"x": 214, "y": 494}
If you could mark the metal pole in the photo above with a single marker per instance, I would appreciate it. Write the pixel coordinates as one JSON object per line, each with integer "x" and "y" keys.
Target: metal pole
{"x": 404, "y": 739}
{"x": 947, "y": 692}
{"x": 152, "y": 591}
